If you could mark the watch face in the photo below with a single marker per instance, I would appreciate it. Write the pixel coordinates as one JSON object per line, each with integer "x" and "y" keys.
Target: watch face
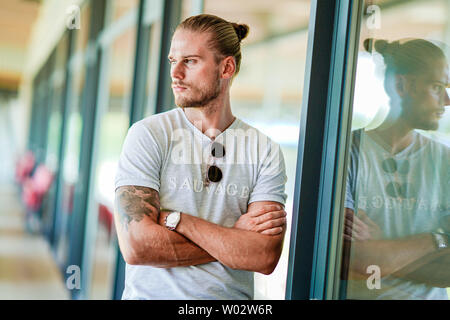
{"x": 172, "y": 218}
{"x": 441, "y": 240}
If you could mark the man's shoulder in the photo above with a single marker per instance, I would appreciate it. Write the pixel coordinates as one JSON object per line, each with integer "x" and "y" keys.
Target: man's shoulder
{"x": 243, "y": 128}
{"x": 356, "y": 137}
{"x": 435, "y": 144}
{"x": 159, "y": 122}
{"x": 159, "y": 118}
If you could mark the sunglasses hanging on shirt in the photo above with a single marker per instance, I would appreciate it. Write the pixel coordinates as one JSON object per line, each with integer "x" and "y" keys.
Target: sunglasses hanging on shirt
{"x": 213, "y": 172}
{"x": 396, "y": 189}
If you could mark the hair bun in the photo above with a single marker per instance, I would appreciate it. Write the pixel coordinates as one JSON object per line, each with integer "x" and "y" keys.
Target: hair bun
{"x": 368, "y": 44}
{"x": 380, "y": 46}
{"x": 241, "y": 30}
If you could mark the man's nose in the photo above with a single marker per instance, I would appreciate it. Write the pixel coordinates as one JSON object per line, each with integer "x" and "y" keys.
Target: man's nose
{"x": 446, "y": 97}
{"x": 176, "y": 71}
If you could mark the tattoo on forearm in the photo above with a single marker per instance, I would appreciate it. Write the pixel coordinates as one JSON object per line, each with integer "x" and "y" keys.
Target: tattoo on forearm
{"x": 133, "y": 203}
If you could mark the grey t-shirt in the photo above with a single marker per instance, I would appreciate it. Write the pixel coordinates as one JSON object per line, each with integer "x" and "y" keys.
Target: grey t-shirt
{"x": 424, "y": 168}
{"x": 168, "y": 153}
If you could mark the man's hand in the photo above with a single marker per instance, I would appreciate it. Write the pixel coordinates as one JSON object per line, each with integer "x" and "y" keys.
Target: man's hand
{"x": 238, "y": 247}
{"x": 269, "y": 220}
{"x": 360, "y": 227}
{"x": 162, "y": 217}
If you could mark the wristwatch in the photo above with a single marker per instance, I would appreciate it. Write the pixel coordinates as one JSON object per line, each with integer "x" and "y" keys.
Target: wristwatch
{"x": 172, "y": 220}
{"x": 441, "y": 239}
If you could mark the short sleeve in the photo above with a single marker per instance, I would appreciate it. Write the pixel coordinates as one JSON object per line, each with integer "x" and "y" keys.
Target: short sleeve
{"x": 271, "y": 179}
{"x": 352, "y": 173}
{"x": 140, "y": 159}
{"x": 349, "y": 198}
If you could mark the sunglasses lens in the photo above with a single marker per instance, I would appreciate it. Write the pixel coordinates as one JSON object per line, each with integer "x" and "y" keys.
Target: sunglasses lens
{"x": 394, "y": 190}
{"x": 217, "y": 150}
{"x": 389, "y": 165}
{"x": 403, "y": 167}
{"x": 214, "y": 174}
{"x": 408, "y": 191}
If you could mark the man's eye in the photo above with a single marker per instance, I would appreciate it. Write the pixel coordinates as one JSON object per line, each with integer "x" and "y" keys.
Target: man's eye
{"x": 189, "y": 61}
{"x": 438, "y": 87}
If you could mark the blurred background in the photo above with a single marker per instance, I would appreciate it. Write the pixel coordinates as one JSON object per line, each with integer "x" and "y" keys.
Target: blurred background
{"x": 75, "y": 74}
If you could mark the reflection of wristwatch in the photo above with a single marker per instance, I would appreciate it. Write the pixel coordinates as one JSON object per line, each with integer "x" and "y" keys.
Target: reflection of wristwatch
{"x": 172, "y": 220}
{"x": 441, "y": 239}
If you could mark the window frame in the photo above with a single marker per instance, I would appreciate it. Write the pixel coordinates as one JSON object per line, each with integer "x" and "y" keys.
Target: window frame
{"x": 324, "y": 131}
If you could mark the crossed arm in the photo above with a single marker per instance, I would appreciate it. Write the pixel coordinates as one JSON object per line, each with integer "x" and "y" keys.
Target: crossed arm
{"x": 391, "y": 255}
{"x": 254, "y": 243}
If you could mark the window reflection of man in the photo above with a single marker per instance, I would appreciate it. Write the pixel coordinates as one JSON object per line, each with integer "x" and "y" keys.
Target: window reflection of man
{"x": 397, "y": 203}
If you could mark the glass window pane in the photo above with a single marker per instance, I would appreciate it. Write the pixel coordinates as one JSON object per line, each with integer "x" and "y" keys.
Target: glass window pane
{"x": 55, "y": 121}
{"x": 267, "y": 92}
{"x": 190, "y": 8}
{"x": 113, "y": 126}
{"x": 82, "y": 36}
{"x": 71, "y": 152}
{"x": 54, "y": 130}
{"x": 153, "y": 66}
{"x": 397, "y": 204}
{"x": 117, "y": 9}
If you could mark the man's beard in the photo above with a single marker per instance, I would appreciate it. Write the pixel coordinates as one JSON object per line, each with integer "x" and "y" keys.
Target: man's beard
{"x": 427, "y": 125}
{"x": 206, "y": 96}
{"x": 421, "y": 120}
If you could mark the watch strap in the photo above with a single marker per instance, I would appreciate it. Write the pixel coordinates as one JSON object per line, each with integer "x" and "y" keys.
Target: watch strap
{"x": 441, "y": 240}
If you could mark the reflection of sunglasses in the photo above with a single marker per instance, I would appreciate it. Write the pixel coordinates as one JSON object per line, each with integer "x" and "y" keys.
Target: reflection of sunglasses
{"x": 391, "y": 166}
{"x": 395, "y": 189}
{"x": 399, "y": 190}
{"x": 214, "y": 174}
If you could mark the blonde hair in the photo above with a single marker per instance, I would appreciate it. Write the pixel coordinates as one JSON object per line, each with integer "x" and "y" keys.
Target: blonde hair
{"x": 225, "y": 38}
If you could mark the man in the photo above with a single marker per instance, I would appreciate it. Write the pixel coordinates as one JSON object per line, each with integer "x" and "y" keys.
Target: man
{"x": 200, "y": 194}
{"x": 397, "y": 204}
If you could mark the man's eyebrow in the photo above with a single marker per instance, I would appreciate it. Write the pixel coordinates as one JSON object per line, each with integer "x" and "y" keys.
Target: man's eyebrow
{"x": 443, "y": 83}
{"x": 187, "y": 56}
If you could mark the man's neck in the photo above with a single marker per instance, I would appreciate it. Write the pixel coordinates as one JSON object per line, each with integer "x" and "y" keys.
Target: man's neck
{"x": 398, "y": 136}
{"x": 213, "y": 118}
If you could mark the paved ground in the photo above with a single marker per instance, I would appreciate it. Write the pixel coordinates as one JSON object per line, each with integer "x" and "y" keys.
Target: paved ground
{"x": 27, "y": 268}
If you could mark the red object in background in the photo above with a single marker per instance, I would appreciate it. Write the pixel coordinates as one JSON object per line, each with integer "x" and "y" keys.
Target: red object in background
{"x": 105, "y": 217}
{"x": 29, "y": 196}
{"x": 24, "y": 167}
{"x": 36, "y": 186}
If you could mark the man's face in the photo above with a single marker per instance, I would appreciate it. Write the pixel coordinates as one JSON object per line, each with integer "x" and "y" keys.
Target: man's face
{"x": 193, "y": 69}
{"x": 424, "y": 104}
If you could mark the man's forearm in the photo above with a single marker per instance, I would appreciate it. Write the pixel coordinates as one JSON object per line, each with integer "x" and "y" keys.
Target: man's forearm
{"x": 159, "y": 247}
{"x": 142, "y": 240}
{"x": 432, "y": 270}
{"x": 235, "y": 248}
{"x": 390, "y": 255}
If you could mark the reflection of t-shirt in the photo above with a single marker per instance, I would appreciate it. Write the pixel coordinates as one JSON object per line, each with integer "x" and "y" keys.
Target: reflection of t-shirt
{"x": 168, "y": 153}
{"x": 404, "y": 194}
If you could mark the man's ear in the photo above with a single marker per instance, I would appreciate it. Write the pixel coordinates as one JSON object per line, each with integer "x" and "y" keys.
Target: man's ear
{"x": 404, "y": 85}
{"x": 228, "y": 67}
